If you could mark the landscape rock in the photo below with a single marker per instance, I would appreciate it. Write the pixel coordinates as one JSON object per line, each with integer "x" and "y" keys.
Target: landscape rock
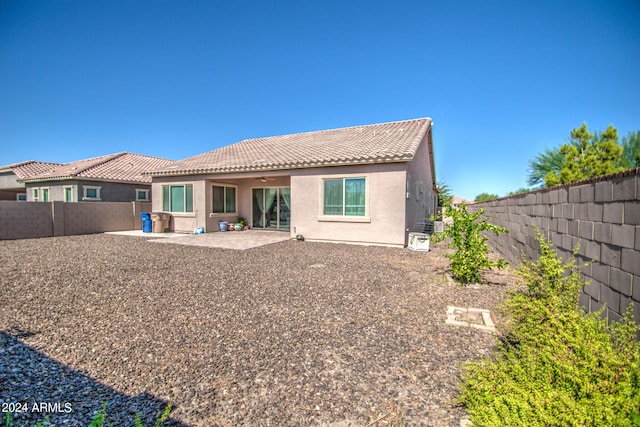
{"x": 293, "y": 333}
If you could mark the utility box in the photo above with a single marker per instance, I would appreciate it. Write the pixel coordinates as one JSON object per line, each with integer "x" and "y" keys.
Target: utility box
{"x": 419, "y": 242}
{"x": 160, "y": 221}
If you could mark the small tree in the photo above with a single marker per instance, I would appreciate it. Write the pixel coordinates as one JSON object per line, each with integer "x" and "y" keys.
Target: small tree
{"x": 471, "y": 249}
{"x": 631, "y": 151}
{"x": 550, "y": 162}
{"x": 444, "y": 193}
{"x": 587, "y": 156}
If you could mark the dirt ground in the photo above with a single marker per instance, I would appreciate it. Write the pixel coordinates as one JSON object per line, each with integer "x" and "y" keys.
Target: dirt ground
{"x": 293, "y": 333}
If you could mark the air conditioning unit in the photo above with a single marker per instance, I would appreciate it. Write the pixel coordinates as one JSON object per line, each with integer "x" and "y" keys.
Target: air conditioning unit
{"x": 419, "y": 242}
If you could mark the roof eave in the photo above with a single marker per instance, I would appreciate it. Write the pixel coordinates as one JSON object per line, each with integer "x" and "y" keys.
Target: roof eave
{"x": 268, "y": 168}
{"x": 48, "y": 179}
{"x": 83, "y": 178}
{"x": 431, "y": 155}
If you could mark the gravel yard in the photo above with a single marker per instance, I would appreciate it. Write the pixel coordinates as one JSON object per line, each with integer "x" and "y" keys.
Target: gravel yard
{"x": 294, "y": 333}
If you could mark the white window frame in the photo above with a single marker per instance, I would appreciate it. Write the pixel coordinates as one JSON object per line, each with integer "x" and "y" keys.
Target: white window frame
{"x": 146, "y": 192}
{"x": 91, "y": 187}
{"x": 23, "y": 195}
{"x": 225, "y": 186}
{"x": 344, "y": 218}
{"x": 36, "y": 194}
{"x": 64, "y": 193}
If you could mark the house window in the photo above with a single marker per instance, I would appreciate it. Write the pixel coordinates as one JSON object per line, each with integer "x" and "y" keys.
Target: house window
{"x": 68, "y": 194}
{"x": 21, "y": 197}
{"x": 40, "y": 194}
{"x": 345, "y": 196}
{"x": 224, "y": 199}
{"x": 177, "y": 198}
{"x": 142, "y": 195}
{"x": 91, "y": 192}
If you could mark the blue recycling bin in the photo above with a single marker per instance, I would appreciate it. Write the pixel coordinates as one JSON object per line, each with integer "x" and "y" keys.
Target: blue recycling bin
{"x": 147, "y": 224}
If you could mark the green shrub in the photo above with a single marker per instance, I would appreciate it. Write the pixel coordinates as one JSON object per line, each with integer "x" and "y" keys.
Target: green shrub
{"x": 471, "y": 249}
{"x": 556, "y": 365}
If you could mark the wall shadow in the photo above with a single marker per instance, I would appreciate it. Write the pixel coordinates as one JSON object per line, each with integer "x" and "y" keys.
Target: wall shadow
{"x": 35, "y": 387}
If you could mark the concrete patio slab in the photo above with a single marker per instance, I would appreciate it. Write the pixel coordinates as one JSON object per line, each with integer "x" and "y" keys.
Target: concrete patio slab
{"x": 140, "y": 233}
{"x": 239, "y": 240}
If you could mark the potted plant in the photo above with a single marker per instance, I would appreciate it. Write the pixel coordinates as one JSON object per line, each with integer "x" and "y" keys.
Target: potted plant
{"x": 239, "y": 225}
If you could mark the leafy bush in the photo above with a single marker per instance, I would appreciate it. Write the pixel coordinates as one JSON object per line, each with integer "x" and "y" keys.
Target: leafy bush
{"x": 555, "y": 365}
{"x": 471, "y": 249}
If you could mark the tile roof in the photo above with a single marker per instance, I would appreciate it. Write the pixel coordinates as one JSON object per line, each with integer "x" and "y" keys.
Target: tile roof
{"x": 112, "y": 167}
{"x": 29, "y": 168}
{"x": 377, "y": 143}
{"x": 458, "y": 200}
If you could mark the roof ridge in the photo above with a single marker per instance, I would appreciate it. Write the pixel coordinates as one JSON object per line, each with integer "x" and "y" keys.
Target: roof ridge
{"x": 140, "y": 157}
{"x": 108, "y": 158}
{"x": 146, "y": 155}
{"x": 287, "y": 135}
{"x": 421, "y": 135}
{"x": 27, "y": 162}
{"x": 332, "y": 130}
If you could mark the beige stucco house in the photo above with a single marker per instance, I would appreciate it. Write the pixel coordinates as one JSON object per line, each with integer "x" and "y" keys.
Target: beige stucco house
{"x": 361, "y": 184}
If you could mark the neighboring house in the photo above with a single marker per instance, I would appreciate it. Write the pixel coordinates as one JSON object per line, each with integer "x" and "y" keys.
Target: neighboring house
{"x": 366, "y": 184}
{"x": 456, "y": 201}
{"x": 10, "y": 186}
{"x": 111, "y": 178}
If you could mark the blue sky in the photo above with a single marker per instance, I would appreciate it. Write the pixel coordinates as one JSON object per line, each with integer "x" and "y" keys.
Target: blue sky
{"x": 502, "y": 80}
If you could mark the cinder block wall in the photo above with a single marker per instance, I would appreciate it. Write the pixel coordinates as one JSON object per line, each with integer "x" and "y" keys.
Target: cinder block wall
{"x": 24, "y": 220}
{"x": 138, "y": 208}
{"x": 601, "y": 215}
{"x": 93, "y": 217}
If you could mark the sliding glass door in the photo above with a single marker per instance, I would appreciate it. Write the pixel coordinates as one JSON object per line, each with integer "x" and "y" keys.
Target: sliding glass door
{"x": 271, "y": 208}
{"x": 284, "y": 208}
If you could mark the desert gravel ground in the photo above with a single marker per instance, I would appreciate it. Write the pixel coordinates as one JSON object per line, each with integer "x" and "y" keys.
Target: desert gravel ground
{"x": 294, "y": 333}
